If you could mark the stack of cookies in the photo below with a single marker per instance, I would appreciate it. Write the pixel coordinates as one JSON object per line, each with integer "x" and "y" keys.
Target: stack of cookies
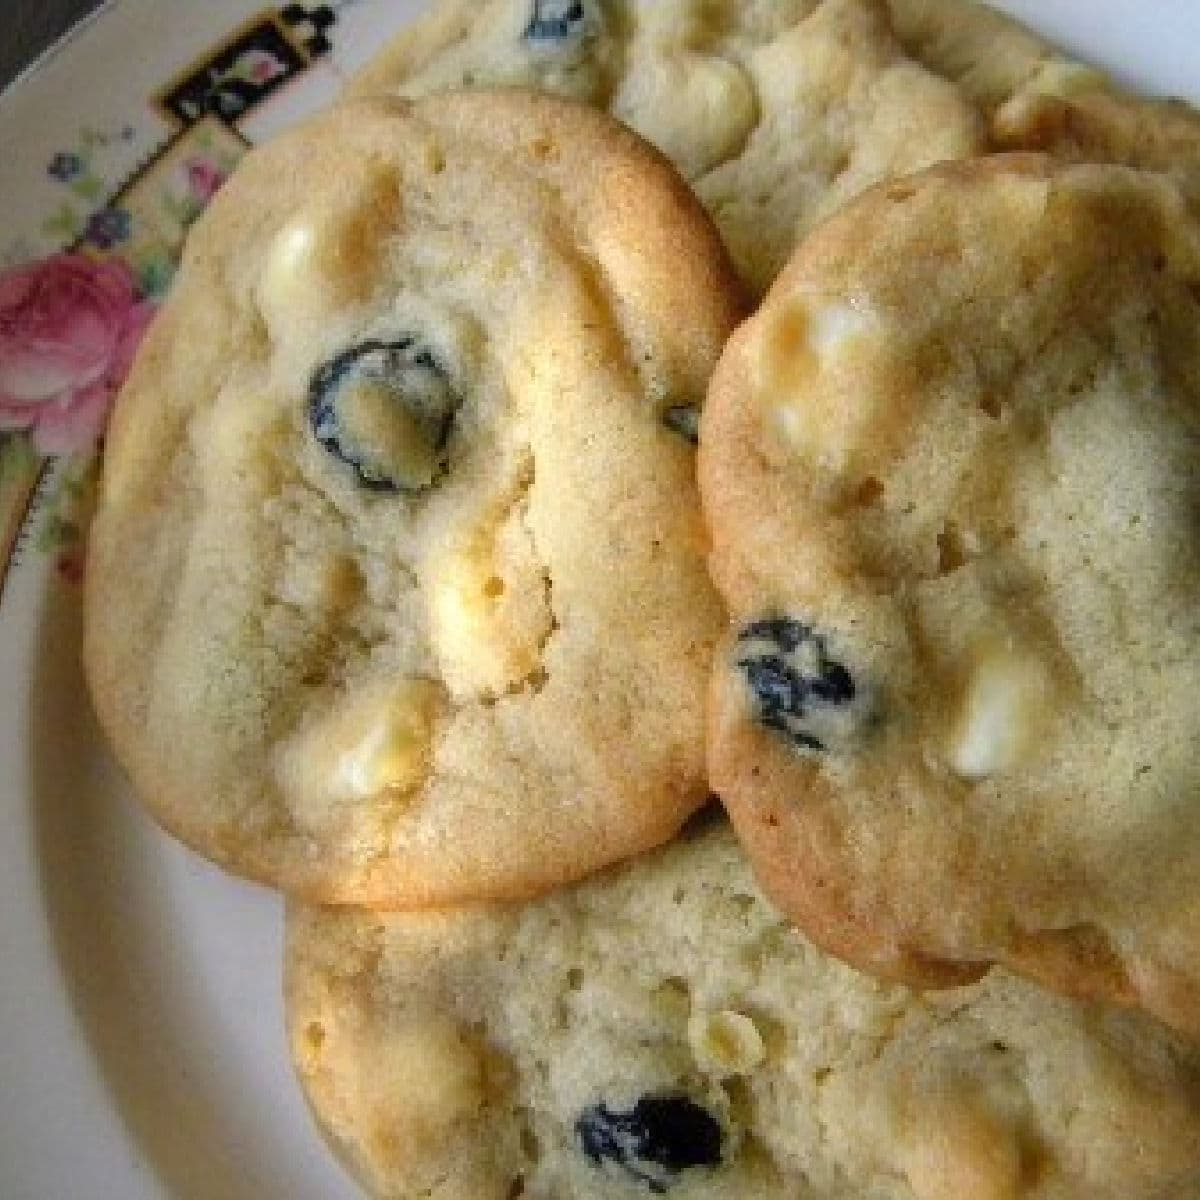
{"x": 505, "y": 476}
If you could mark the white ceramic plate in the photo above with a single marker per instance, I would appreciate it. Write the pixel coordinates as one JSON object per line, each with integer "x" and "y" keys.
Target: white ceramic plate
{"x": 141, "y": 1037}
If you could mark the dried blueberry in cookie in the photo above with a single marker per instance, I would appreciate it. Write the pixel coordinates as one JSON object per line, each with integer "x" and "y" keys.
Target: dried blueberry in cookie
{"x": 798, "y": 688}
{"x": 386, "y": 408}
{"x": 655, "y": 1140}
{"x": 556, "y": 20}
{"x": 684, "y": 419}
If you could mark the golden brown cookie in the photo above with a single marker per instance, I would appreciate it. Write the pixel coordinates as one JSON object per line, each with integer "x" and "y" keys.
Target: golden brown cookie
{"x": 396, "y": 592}
{"x": 987, "y": 53}
{"x": 952, "y": 472}
{"x": 661, "y": 1030}
{"x": 1035, "y": 97}
{"x": 1107, "y": 127}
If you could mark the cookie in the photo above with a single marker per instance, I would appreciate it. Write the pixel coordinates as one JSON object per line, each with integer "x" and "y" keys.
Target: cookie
{"x": 988, "y": 54}
{"x": 952, "y": 469}
{"x": 1038, "y": 98}
{"x": 661, "y": 1030}
{"x": 396, "y": 592}
{"x": 777, "y": 112}
{"x": 1107, "y": 127}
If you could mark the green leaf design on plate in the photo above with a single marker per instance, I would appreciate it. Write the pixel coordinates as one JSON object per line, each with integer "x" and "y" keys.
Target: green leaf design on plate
{"x": 17, "y": 455}
{"x": 66, "y": 224}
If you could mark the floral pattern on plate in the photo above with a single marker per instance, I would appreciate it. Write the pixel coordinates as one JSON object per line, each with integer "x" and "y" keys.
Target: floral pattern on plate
{"x": 70, "y": 322}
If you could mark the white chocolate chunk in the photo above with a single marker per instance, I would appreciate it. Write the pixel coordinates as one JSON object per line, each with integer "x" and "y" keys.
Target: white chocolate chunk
{"x": 725, "y": 1042}
{"x": 835, "y": 328}
{"x": 489, "y": 610}
{"x": 1000, "y": 710}
{"x": 804, "y": 341}
{"x": 377, "y": 741}
{"x": 786, "y": 425}
{"x": 327, "y": 258}
{"x": 459, "y": 616}
{"x": 480, "y": 649}
{"x": 287, "y": 275}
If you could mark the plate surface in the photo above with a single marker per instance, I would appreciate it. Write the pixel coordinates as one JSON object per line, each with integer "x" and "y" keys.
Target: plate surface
{"x": 142, "y": 1052}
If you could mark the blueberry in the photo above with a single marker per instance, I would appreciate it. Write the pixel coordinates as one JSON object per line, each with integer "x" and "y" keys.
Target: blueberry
{"x": 659, "y": 1137}
{"x": 798, "y": 688}
{"x": 684, "y": 419}
{"x": 386, "y": 409}
{"x": 556, "y": 20}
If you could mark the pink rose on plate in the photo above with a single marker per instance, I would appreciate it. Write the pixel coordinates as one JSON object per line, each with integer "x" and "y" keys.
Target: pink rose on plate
{"x": 204, "y": 178}
{"x": 69, "y": 326}
{"x": 256, "y": 66}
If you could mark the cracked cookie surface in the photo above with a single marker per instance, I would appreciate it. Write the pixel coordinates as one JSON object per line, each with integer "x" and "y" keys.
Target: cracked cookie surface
{"x": 776, "y": 111}
{"x": 396, "y": 591}
{"x": 964, "y": 455}
{"x": 662, "y": 1030}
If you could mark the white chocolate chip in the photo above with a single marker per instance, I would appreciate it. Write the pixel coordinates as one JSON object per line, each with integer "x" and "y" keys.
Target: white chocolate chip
{"x": 324, "y": 259}
{"x": 458, "y": 614}
{"x": 489, "y": 610}
{"x": 725, "y": 1042}
{"x": 793, "y": 349}
{"x": 834, "y": 328}
{"x": 786, "y": 425}
{"x": 1003, "y": 702}
{"x": 376, "y": 742}
{"x": 483, "y": 646}
{"x": 290, "y": 263}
